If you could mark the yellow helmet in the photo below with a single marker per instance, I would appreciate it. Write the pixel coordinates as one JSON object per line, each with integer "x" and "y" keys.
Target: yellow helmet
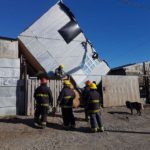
{"x": 93, "y": 86}
{"x": 67, "y": 82}
{"x": 61, "y": 66}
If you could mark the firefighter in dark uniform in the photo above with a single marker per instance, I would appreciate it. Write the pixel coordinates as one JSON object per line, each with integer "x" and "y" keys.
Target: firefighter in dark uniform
{"x": 94, "y": 109}
{"x": 85, "y": 91}
{"x": 44, "y": 99}
{"x": 65, "y": 101}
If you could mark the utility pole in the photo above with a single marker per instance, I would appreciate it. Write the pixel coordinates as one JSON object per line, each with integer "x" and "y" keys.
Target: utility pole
{"x": 146, "y": 83}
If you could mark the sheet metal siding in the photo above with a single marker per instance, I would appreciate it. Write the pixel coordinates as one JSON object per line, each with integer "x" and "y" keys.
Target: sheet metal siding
{"x": 118, "y": 89}
{"x": 8, "y": 111}
{"x": 45, "y": 43}
{"x": 9, "y": 82}
{"x": 9, "y": 63}
{"x": 8, "y": 49}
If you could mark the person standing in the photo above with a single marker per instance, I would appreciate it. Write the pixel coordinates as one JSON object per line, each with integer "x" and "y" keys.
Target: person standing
{"x": 93, "y": 107}
{"x": 65, "y": 101}
{"x": 85, "y": 92}
{"x": 43, "y": 98}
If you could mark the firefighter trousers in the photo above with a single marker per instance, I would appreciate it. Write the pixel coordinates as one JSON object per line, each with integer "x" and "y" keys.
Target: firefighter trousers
{"x": 68, "y": 117}
{"x": 96, "y": 120}
{"x": 41, "y": 111}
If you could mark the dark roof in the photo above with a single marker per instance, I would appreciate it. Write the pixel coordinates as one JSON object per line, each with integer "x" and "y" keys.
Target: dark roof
{"x": 121, "y": 67}
{"x": 8, "y": 38}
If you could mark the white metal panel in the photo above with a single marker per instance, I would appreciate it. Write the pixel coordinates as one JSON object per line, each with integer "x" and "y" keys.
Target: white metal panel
{"x": 9, "y": 72}
{"x": 9, "y": 63}
{"x": 7, "y": 102}
{"x": 7, "y": 111}
{"x": 10, "y": 82}
{"x": 8, "y": 91}
{"x": 8, "y": 49}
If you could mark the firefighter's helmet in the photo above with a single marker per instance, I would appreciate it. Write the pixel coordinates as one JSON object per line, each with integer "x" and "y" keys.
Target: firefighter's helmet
{"x": 61, "y": 66}
{"x": 93, "y": 86}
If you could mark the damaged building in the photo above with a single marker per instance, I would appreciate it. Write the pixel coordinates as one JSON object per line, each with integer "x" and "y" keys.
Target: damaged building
{"x": 56, "y": 38}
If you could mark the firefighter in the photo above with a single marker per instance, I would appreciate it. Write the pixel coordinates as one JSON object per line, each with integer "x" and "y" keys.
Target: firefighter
{"x": 84, "y": 96}
{"x": 59, "y": 72}
{"x": 94, "y": 109}
{"x": 65, "y": 101}
{"x": 44, "y": 99}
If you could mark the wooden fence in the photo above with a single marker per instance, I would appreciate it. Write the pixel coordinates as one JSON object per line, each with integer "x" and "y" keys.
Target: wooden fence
{"x": 119, "y": 89}
{"x": 31, "y": 85}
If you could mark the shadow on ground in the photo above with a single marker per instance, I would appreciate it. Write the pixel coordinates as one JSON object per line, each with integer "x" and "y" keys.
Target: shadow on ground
{"x": 119, "y": 112}
{"x": 133, "y": 132}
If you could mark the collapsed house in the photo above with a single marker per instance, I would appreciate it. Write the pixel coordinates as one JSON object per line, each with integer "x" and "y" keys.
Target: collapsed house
{"x": 56, "y": 38}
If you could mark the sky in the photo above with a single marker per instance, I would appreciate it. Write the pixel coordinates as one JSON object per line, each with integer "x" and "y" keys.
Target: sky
{"x": 118, "y": 29}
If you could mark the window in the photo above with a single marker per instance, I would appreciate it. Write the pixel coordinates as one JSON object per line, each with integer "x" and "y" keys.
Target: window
{"x": 70, "y": 31}
{"x": 89, "y": 64}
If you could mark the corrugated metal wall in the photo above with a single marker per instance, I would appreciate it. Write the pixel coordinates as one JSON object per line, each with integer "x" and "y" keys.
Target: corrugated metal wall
{"x": 118, "y": 89}
{"x": 10, "y": 84}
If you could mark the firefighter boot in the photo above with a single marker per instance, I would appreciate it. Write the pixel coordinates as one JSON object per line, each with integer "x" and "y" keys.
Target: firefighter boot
{"x": 94, "y": 130}
{"x": 101, "y": 129}
{"x": 37, "y": 122}
{"x": 43, "y": 125}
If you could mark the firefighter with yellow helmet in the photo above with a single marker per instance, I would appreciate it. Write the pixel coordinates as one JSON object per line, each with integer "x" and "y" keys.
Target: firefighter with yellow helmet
{"x": 65, "y": 101}
{"x": 93, "y": 106}
{"x": 59, "y": 72}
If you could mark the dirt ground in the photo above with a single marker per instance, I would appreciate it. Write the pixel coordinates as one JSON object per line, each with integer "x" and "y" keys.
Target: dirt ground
{"x": 122, "y": 131}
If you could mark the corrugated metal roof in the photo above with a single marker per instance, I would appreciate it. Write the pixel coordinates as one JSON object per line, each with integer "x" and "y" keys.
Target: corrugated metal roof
{"x": 45, "y": 43}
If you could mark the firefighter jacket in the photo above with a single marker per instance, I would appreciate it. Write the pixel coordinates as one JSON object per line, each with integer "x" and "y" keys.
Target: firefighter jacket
{"x": 65, "y": 99}
{"x": 93, "y": 100}
{"x": 43, "y": 95}
{"x": 85, "y": 92}
{"x": 59, "y": 73}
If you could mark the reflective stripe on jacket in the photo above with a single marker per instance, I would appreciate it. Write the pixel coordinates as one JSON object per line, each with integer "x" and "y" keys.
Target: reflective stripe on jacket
{"x": 93, "y": 101}
{"x": 66, "y": 97}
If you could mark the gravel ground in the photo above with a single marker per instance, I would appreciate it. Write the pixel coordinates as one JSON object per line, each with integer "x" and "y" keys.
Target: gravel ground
{"x": 122, "y": 131}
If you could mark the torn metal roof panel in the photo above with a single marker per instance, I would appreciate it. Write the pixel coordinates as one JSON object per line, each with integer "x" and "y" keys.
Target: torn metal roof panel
{"x": 56, "y": 38}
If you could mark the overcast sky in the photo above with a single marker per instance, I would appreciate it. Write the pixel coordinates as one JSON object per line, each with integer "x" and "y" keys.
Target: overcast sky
{"x": 118, "y": 29}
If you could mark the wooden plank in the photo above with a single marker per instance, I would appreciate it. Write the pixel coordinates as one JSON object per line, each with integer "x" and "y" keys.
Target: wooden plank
{"x": 29, "y": 96}
{"x": 32, "y": 97}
